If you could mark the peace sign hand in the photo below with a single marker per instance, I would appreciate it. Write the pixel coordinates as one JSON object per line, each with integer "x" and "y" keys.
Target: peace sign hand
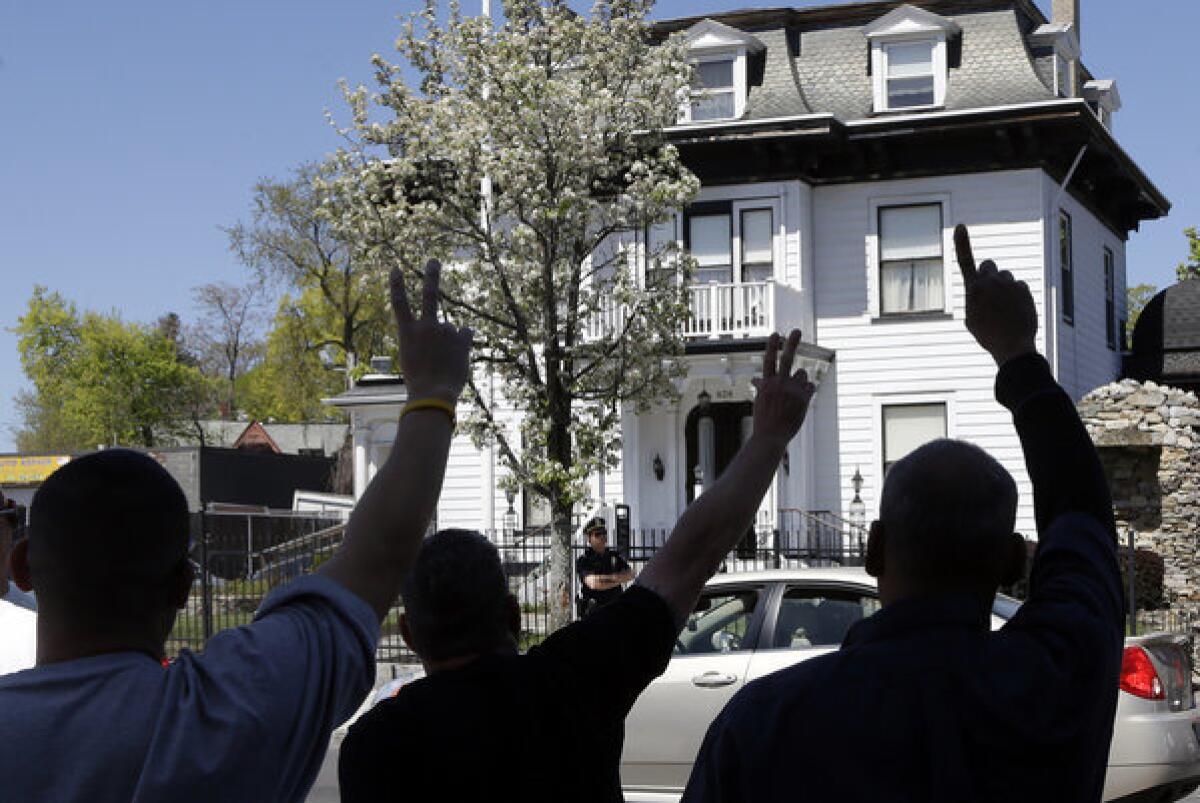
{"x": 782, "y": 400}
{"x": 1000, "y": 310}
{"x": 434, "y": 357}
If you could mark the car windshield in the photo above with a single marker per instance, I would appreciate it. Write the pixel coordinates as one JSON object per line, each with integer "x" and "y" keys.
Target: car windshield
{"x": 1005, "y": 607}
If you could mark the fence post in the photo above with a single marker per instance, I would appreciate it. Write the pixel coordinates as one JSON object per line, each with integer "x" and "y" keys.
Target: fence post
{"x": 205, "y": 587}
{"x": 775, "y": 548}
{"x": 1132, "y": 585}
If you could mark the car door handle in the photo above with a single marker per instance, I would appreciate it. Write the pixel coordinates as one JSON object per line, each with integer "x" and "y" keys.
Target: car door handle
{"x": 713, "y": 680}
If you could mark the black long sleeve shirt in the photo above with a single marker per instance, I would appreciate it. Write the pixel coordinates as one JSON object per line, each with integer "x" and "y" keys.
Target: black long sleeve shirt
{"x": 925, "y": 703}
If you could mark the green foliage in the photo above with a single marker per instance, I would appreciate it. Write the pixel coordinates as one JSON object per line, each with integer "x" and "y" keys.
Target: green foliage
{"x": 1136, "y": 299}
{"x": 290, "y": 380}
{"x": 336, "y": 307}
{"x": 98, "y": 380}
{"x": 1190, "y": 269}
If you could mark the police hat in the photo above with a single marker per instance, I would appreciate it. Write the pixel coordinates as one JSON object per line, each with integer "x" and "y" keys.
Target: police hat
{"x": 595, "y": 524}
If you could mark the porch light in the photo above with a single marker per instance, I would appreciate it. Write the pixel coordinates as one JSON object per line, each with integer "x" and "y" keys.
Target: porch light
{"x": 705, "y": 401}
{"x": 659, "y": 469}
{"x": 858, "y": 510}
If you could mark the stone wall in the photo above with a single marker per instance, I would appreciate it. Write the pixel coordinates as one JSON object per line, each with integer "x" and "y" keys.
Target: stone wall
{"x": 1148, "y": 437}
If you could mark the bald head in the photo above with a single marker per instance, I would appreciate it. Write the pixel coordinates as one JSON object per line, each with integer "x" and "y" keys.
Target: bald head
{"x": 948, "y": 512}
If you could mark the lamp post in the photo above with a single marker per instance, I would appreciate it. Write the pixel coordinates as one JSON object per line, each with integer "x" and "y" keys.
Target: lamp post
{"x": 858, "y": 510}
{"x": 510, "y": 515}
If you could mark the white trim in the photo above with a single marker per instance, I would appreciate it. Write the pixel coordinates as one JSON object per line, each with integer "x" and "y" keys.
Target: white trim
{"x": 909, "y": 19}
{"x": 738, "y": 59}
{"x": 872, "y": 246}
{"x": 708, "y": 33}
{"x": 891, "y": 119}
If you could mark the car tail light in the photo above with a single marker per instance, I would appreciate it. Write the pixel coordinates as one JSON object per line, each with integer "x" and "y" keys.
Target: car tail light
{"x": 1138, "y": 675}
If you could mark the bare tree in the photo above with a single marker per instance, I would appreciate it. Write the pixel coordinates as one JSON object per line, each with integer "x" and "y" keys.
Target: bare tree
{"x": 227, "y": 333}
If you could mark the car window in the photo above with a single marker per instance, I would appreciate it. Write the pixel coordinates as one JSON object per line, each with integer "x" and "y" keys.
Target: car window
{"x": 719, "y": 622}
{"x": 818, "y": 617}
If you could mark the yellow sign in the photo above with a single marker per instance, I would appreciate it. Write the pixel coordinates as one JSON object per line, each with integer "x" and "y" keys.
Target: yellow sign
{"x": 29, "y": 470}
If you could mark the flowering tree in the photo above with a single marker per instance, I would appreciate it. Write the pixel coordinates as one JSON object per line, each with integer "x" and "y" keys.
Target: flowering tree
{"x": 530, "y": 158}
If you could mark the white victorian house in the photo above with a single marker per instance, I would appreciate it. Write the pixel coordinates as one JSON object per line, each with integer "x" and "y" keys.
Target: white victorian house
{"x": 837, "y": 148}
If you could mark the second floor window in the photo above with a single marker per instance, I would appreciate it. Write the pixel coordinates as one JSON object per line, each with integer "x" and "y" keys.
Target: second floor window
{"x": 732, "y": 241}
{"x": 911, "y": 264}
{"x": 758, "y": 250}
{"x": 910, "y": 74}
{"x": 1066, "y": 267}
{"x": 908, "y": 427}
{"x": 710, "y": 238}
{"x": 1110, "y": 299}
{"x": 713, "y": 90}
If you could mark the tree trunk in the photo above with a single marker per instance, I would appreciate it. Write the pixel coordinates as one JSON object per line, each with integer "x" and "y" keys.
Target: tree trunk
{"x": 562, "y": 564}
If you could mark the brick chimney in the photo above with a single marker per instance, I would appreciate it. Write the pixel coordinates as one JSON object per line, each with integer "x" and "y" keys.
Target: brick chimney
{"x": 1067, "y": 11}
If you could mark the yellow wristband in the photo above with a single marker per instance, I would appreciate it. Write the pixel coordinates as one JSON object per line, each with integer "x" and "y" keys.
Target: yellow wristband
{"x": 431, "y": 404}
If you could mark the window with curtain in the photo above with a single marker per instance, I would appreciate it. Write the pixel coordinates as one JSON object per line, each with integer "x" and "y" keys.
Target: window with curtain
{"x": 713, "y": 90}
{"x": 710, "y": 240}
{"x": 758, "y": 250}
{"x": 908, "y": 427}
{"x": 911, "y": 265}
{"x": 910, "y": 80}
{"x": 1110, "y": 299}
{"x": 1066, "y": 265}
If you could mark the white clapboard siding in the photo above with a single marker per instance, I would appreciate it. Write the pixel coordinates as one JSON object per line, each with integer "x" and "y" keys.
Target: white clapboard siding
{"x": 891, "y": 361}
{"x": 1085, "y": 361}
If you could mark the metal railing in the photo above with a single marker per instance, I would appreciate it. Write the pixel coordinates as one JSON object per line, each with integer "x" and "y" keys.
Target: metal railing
{"x": 219, "y": 601}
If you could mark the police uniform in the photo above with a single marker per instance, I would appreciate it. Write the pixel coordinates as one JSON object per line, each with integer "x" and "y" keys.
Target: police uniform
{"x": 591, "y": 562}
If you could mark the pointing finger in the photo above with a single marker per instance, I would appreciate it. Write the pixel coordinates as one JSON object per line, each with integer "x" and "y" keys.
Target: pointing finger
{"x": 966, "y": 258}
{"x": 399, "y": 296}
{"x": 429, "y": 295}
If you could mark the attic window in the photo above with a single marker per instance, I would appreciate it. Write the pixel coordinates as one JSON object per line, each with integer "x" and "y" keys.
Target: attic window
{"x": 910, "y": 78}
{"x": 714, "y": 92}
{"x": 909, "y": 62}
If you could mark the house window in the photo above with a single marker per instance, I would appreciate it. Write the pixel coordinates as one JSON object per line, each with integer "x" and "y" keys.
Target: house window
{"x": 662, "y": 267}
{"x": 1066, "y": 267}
{"x": 710, "y": 239}
{"x": 713, "y": 90}
{"x": 758, "y": 245}
{"x": 907, "y": 427}
{"x": 910, "y": 75}
{"x": 911, "y": 265}
{"x": 732, "y": 241}
{"x": 1110, "y": 300}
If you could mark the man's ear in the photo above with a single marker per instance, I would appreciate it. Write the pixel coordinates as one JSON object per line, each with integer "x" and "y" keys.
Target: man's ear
{"x": 18, "y": 562}
{"x": 876, "y": 547}
{"x": 1015, "y": 554}
{"x": 181, "y": 585}
{"x": 406, "y": 633}
{"x": 514, "y": 617}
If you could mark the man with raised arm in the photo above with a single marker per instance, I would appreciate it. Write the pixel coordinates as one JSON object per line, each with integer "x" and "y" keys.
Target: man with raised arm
{"x": 491, "y": 724}
{"x": 100, "y": 718}
{"x": 924, "y": 702}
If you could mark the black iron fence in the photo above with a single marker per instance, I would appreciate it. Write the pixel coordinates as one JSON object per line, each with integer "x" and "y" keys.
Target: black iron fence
{"x": 239, "y": 562}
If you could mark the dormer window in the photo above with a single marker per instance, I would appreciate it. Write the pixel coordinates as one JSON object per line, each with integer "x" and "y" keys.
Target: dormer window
{"x": 719, "y": 56}
{"x": 1061, "y": 40}
{"x": 1103, "y": 99}
{"x": 909, "y": 64}
{"x": 714, "y": 93}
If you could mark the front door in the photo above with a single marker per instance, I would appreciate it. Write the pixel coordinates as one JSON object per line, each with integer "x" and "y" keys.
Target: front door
{"x": 714, "y": 433}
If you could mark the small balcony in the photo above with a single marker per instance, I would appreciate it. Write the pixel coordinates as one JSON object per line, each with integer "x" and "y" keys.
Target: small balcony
{"x": 721, "y": 311}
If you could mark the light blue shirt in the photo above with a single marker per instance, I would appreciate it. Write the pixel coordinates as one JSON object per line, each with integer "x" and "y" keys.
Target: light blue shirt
{"x": 22, "y": 599}
{"x": 248, "y": 719}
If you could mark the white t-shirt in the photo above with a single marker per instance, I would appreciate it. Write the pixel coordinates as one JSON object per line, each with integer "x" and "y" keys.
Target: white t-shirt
{"x": 18, "y": 638}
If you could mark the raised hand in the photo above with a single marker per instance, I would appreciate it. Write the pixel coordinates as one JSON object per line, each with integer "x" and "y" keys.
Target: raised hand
{"x": 1000, "y": 310}
{"x": 434, "y": 357}
{"x": 783, "y": 397}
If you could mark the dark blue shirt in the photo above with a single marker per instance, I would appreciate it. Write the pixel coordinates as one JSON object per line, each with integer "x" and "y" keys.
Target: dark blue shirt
{"x": 923, "y": 702}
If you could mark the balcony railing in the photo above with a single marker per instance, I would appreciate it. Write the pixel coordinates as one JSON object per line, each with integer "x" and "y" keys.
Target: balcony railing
{"x": 731, "y": 310}
{"x": 723, "y": 310}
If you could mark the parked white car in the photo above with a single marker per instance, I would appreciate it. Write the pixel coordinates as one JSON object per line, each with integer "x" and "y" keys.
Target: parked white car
{"x": 748, "y": 625}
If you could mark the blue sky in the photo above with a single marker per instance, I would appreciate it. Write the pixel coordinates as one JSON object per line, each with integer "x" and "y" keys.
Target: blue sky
{"x": 133, "y": 130}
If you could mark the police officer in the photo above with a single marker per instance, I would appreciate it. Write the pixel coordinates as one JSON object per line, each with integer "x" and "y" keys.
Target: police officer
{"x": 601, "y": 571}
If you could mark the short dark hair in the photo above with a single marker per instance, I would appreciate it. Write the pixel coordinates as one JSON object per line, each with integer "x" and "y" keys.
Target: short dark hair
{"x": 949, "y": 509}
{"x": 456, "y": 596}
{"x": 108, "y": 531}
